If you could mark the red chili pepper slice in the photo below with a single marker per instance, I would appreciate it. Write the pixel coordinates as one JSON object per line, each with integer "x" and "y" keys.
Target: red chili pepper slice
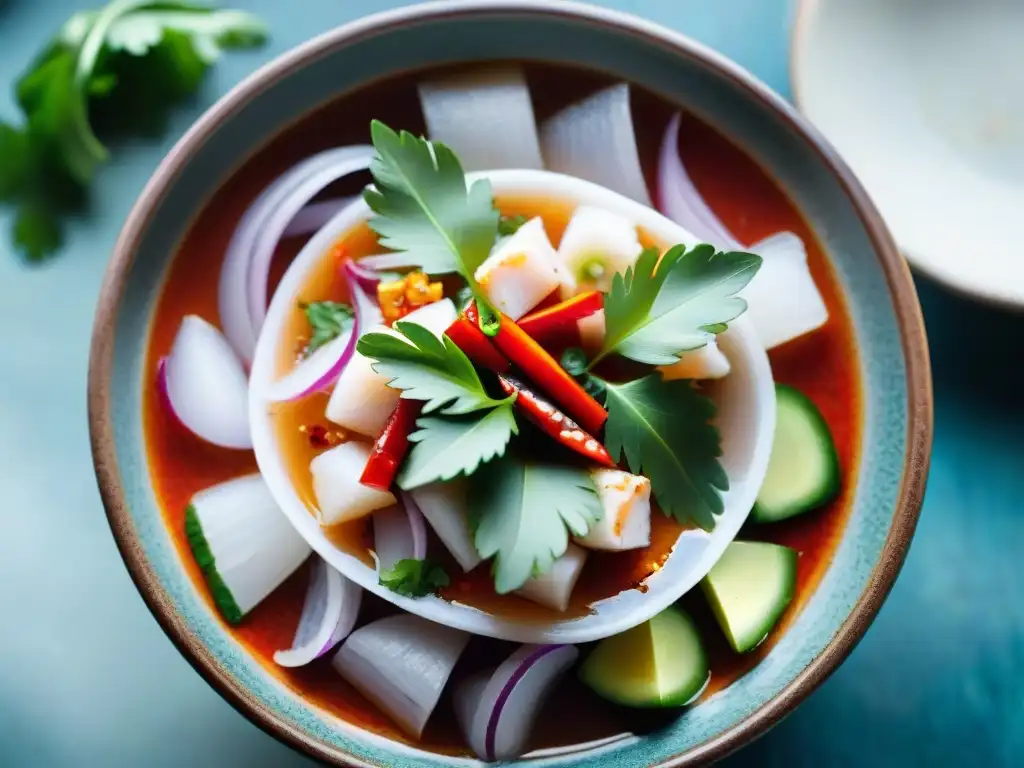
{"x": 468, "y": 337}
{"x": 557, "y": 320}
{"x": 544, "y": 371}
{"x": 555, "y": 423}
{"x": 391, "y": 446}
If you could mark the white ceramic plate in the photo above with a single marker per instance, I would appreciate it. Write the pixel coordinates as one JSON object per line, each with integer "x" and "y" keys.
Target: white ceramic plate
{"x": 925, "y": 100}
{"x": 746, "y": 408}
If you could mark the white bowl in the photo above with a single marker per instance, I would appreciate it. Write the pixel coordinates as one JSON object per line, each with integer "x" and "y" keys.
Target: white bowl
{"x": 925, "y": 100}
{"x": 747, "y": 421}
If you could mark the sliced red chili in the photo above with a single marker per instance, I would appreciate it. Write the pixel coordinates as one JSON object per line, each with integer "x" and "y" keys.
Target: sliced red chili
{"x": 468, "y": 337}
{"x": 556, "y": 321}
{"x": 555, "y": 423}
{"x": 391, "y": 446}
{"x": 544, "y": 371}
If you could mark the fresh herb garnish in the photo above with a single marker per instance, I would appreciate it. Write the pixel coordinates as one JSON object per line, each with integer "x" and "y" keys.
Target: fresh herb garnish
{"x": 426, "y": 214}
{"x": 414, "y": 578}
{"x": 664, "y": 429}
{"x": 574, "y": 361}
{"x": 462, "y": 297}
{"x": 109, "y": 71}
{"x": 427, "y": 368}
{"x": 327, "y": 321}
{"x": 509, "y": 225}
{"x": 658, "y": 310}
{"x": 522, "y": 514}
{"x": 445, "y": 448}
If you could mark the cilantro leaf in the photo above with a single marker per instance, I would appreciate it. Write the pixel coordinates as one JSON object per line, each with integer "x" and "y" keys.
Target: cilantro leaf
{"x": 122, "y": 62}
{"x": 444, "y": 448}
{"x": 427, "y": 368}
{"x": 414, "y": 578}
{"x": 36, "y": 232}
{"x": 462, "y": 297}
{"x": 424, "y": 210}
{"x": 14, "y": 160}
{"x": 522, "y": 514}
{"x": 209, "y": 30}
{"x": 56, "y": 113}
{"x": 509, "y": 225}
{"x": 656, "y": 311}
{"x": 327, "y": 320}
{"x": 664, "y": 429}
{"x": 426, "y": 214}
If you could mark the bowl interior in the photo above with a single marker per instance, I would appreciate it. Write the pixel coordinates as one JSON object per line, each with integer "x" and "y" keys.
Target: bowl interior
{"x": 885, "y": 501}
{"x": 746, "y": 420}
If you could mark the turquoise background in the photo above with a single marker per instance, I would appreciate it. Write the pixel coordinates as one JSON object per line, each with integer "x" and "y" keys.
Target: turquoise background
{"x": 88, "y": 679}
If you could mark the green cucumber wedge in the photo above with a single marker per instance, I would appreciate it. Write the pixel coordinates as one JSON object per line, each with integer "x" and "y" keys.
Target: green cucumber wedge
{"x": 660, "y": 663}
{"x": 749, "y": 589}
{"x": 242, "y": 542}
{"x": 803, "y": 471}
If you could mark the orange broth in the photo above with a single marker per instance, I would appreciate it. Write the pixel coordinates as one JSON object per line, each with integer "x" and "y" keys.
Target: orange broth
{"x": 822, "y": 365}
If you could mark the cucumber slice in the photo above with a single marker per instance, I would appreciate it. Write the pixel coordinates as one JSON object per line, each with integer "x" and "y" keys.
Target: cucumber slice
{"x": 242, "y": 542}
{"x": 749, "y": 588}
{"x": 660, "y": 663}
{"x": 803, "y": 471}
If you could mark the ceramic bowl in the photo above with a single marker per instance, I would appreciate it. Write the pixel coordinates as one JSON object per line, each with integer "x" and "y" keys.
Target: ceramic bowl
{"x": 923, "y": 100}
{"x": 891, "y": 353}
{"x": 746, "y": 405}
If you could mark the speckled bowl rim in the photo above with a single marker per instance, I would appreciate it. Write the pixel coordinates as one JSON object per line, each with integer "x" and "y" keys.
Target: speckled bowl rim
{"x": 897, "y": 275}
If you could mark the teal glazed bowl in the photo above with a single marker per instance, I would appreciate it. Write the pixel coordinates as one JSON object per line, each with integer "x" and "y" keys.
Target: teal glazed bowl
{"x": 891, "y": 351}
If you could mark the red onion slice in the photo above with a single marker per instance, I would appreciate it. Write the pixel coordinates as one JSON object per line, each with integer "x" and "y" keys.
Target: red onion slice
{"x": 315, "y": 373}
{"x": 554, "y": 588}
{"x": 342, "y": 162}
{"x": 364, "y": 275}
{"x": 466, "y": 697}
{"x": 321, "y": 370}
{"x": 594, "y": 139}
{"x": 396, "y": 260}
{"x": 485, "y": 115}
{"x": 367, "y": 310}
{"x": 244, "y": 274}
{"x": 444, "y": 507}
{"x": 401, "y": 664}
{"x": 783, "y": 300}
{"x": 313, "y": 217}
{"x": 328, "y": 616}
{"x": 679, "y": 199}
{"x": 205, "y": 386}
{"x": 498, "y": 727}
{"x": 399, "y": 533}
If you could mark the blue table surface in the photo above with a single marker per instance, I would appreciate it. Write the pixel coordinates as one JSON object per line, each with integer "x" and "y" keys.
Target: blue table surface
{"x": 87, "y": 678}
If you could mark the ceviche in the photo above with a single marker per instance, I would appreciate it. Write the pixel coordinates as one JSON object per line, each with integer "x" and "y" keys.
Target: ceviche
{"x": 503, "y": 401}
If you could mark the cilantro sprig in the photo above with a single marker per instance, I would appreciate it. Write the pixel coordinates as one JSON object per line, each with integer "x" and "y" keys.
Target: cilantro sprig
{"x": 661, "y": 308}
{"x": 468, "y": 427}
{"x": 446, "y": 448}
{"x": 666, "y": 305}
{"x": 426, "y": 214}
{"x": 509, "y": 225}
{"x": 522, "y": 512}
{"x": 107, "y": 72}
{"x": 664, "y": 430}
{"x": 327, "y": 321}
{"x": 414, "y": 578}
{"x": 428, "y": 368}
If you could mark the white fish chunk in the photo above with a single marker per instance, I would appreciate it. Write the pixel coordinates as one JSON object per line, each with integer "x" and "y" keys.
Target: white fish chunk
{"x": 521, "y": 270}
{"x": 626, "y": 522}
{"x": 340, "y": 496}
